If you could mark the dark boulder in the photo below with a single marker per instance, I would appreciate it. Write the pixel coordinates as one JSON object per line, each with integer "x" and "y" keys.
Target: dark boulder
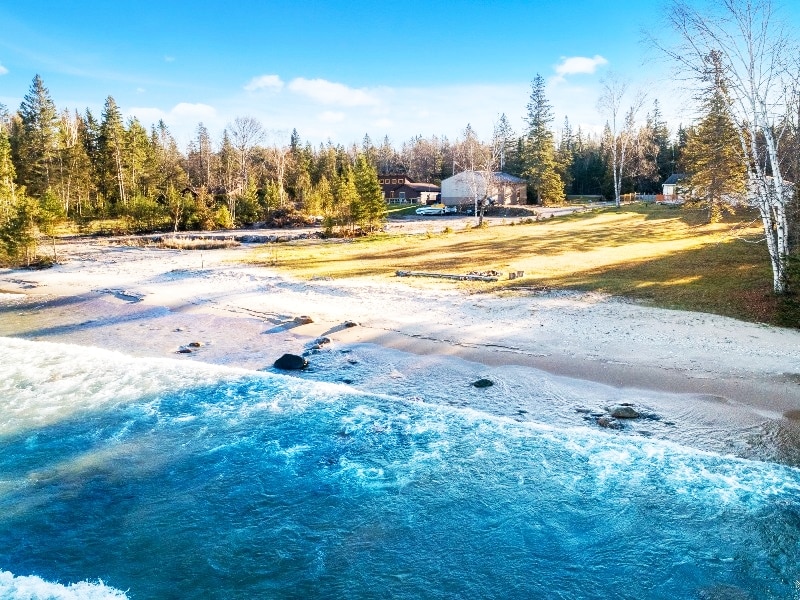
{"x": 623, "y": 411}
{"x": 291, "y": 362}
{"x": 483, "y": 383}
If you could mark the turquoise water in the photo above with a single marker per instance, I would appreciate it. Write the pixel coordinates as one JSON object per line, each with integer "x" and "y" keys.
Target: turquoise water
{"x": 143, "y": 478}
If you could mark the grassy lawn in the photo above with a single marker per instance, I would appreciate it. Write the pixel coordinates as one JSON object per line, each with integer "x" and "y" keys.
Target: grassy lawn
{"x": 665, "y": 256}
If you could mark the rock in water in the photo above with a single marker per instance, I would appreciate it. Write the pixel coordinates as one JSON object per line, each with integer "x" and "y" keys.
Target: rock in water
{"x": 623, "y": 411}
{"x": 291, "y": 362}
{"x": 609, "y": 422}
{"x": 483, "y": 383}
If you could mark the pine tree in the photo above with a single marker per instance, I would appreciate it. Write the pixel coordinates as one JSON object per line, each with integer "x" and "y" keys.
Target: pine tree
{"x": 539, "y": 148}
{"x": 137, "y": 151}
{"x": 348, "y": 209}
{"x": 504, "y": 138}
{"x": 7, "y": 176}
{"x": 111, "y": 149}
{"x": 37, "y": 141}
{"x": 713, "y": 150}
{"x": 370, "y": 193}
{"x": 565, "y": 154}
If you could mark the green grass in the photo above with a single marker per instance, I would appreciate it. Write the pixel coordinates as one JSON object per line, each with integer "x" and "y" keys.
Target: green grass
{"x": 660, "y": 255}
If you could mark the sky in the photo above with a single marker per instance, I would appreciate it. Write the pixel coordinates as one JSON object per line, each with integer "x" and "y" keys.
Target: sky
{"x": 336, "y": 70}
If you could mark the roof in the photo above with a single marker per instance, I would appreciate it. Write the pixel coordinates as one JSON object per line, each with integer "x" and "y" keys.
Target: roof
{"x": 675, "y": 178}
{"x": 424, "y": 187}
{"x": 497, "y": 176}
{"x": 506, "y": 178}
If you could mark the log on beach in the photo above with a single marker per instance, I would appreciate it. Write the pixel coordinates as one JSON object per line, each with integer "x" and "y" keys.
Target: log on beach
{"x": 446, "y": 276}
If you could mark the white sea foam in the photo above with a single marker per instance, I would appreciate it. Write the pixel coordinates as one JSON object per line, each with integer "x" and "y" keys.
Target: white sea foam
{"x": 30, "y": 587}
{"x": 43, "y": 383}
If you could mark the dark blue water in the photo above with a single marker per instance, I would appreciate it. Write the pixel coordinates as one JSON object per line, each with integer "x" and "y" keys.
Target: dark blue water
{"x": 168, "y": 480}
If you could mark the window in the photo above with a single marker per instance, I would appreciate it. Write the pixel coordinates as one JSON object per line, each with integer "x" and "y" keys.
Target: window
{"x": 402, "y": 195}
{"x": 394, "y": 180}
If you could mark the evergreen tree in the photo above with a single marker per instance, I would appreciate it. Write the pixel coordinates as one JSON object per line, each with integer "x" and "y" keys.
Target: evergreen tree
{"x": 539, "y": 148}
{"x": 37, "y": 141}
{"x": 7, "y": 177}
{"x": 370, "y": 193}
{"x": 137, "y": 152}
{"x": 664, "y": 159}
{"x": 89, "y": 134}
{"x": 504, "y": 138}
{"x": 111, "y": 149}
{"x": 565, "y": 154}
{"x": 713, "y": 150}
{"x": 348, "y": 209}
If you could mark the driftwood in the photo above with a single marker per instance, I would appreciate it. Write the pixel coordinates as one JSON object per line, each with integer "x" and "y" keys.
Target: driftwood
{"x": 446, "y": 276}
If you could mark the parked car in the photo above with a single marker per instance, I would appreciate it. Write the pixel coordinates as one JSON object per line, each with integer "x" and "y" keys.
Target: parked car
{"x": 433, "y": 209}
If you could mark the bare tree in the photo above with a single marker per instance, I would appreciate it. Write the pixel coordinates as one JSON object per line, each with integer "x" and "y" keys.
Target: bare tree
{"x": 479, "y": 162}
{"x": 246, "y": 133}
{"x": 620, "y": 126}
{"x": 756, "y": 55}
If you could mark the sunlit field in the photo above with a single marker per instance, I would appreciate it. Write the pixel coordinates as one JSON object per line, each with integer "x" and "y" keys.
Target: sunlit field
{"x": 665, "y": 256}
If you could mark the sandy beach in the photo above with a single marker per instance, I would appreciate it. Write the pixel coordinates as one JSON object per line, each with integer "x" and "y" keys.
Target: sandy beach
{"x": 146, "y": 301}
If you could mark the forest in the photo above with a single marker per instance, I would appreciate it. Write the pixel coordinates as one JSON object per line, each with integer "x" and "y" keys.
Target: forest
{"x": 68, "y": 166}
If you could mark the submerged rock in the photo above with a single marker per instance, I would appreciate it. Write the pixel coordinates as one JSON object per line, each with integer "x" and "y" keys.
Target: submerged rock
{"x": 623, "y": 411}
{"x": 291, "y": 362}
{"x": 483, "y": 383}
{"x": 609, "y": 422}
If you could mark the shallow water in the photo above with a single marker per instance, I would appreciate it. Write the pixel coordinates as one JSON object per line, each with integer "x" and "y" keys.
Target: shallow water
{"x": 167, "y": 479}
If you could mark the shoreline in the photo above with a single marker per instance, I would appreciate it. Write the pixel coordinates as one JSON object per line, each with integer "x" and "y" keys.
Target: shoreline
{"x": 153, "y": 302}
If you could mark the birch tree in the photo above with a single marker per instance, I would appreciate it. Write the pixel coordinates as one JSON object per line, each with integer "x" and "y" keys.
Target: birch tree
{"x": 756, "y": 56}
{"x": 620, "y": 127}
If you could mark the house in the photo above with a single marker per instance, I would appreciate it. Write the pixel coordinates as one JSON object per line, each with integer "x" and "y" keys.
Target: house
{"x": 462, "y": 188}
{"x": 670, "y": 186}
{"x": 399, "y": 189}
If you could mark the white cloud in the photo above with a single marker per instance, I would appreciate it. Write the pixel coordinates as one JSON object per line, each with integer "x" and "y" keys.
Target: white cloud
{"x": 169, "y": 59}
{"x": 195, "y": 111}
{"x": 264, "y": 82}
{"x": 329, "y": 92}
{"x": 3, "y": 70}
{"x": 578, "y": 65}
{"x": 182, "y": 119}
{"x": 147, "y": 114}
{"x": 330, "y": 116}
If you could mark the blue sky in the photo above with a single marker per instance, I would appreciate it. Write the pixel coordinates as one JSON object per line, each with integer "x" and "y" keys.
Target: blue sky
{"x": 332, "y": 70}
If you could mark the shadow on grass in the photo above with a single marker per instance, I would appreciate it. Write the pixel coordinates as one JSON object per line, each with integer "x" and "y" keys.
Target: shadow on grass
{"x": 667, "y": 256}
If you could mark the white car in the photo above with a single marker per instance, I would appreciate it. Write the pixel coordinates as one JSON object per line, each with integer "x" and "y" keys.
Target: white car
{"x": 433, "y": 209}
